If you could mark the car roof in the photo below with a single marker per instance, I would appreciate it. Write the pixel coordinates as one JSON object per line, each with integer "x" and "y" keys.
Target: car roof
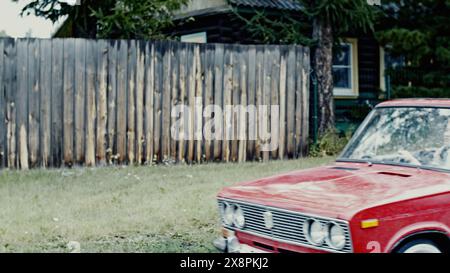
{"x": 416, "y": 103}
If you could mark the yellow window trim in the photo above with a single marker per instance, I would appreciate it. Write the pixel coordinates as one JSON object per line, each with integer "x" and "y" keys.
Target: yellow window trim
{"x": 354, "y": 91}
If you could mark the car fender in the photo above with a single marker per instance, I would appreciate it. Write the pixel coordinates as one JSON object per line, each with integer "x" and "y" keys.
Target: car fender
{"x": 416, "y": 228}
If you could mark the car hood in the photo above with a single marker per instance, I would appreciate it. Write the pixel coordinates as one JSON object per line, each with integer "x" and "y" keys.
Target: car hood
{"x": 341, "y": 190}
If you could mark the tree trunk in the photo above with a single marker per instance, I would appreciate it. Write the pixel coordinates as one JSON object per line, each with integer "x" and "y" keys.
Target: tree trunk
{"x": 323, "y": 68}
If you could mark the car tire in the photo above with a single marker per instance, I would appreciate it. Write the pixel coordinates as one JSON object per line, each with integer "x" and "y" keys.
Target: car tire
{"x": 420, "y": 246}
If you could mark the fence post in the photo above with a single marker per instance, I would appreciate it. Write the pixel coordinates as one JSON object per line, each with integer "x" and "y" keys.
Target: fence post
{"x": 315, "y": 116}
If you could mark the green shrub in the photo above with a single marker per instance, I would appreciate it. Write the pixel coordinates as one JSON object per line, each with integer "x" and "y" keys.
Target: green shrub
{"x": 420, "y": 92}
{"x": 331, "y": 143}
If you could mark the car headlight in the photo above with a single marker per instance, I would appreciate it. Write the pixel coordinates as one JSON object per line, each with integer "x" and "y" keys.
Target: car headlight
{"x": 336, "y": 236}
{"x": 239, "y": 219}
{"x": 315, "y": 232}
{"x": 227, "y": 214}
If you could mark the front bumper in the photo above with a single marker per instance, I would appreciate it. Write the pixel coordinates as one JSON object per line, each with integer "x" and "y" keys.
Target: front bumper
{"x": 240, "y": 242}
{"x": 232, "y": 245}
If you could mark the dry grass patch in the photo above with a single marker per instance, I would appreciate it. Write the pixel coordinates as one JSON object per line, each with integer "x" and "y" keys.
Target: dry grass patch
{"x": 121, "y": 209}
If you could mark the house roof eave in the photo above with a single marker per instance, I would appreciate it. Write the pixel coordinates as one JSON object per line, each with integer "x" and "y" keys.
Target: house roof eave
{"x": 204, "y": 12}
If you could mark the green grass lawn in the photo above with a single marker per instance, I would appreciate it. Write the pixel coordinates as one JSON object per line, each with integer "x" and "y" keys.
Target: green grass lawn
{"x": 121, "y": 209}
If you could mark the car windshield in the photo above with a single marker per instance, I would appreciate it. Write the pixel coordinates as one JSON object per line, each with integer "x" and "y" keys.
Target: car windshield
{"x": 404, "y": 136}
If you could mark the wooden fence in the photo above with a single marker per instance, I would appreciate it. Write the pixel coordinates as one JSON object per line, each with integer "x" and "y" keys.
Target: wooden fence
{"x": 66, "y": 102}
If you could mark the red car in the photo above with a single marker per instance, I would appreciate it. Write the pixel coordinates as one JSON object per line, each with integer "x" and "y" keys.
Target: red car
{"x": 388, "y": 192}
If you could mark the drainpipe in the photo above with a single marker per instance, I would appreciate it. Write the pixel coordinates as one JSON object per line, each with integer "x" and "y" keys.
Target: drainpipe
{"x": 388, "y": 86}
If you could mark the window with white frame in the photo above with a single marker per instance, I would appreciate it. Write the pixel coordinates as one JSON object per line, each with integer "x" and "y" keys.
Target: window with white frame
{"x": 345, "y": 70}
{"x": 199, "y": 37}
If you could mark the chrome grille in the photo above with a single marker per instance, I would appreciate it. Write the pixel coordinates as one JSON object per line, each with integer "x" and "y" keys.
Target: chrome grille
{"x": 288, "y": 225}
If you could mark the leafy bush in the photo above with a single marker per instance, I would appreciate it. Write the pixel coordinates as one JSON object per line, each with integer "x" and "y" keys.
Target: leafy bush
{"x": 419, "y": 92}
{"x": 331, "y": 143}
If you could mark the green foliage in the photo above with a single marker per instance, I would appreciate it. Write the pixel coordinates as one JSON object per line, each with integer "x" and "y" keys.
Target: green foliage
{"x": 296, "y": 28}
{"x": 49, "y": 9}
{"x": 400, "y": 41}
{"x": 344, "y": 15}
{"x": 135, "y": 18}
{"x": 418, "y": 31}
{"x": 331, "y": 143}
{"x": 276, "y": 29}
{"x": 419, "y": 92}
{"x": 413, "y": 76}
{"x": 110, "y": 18}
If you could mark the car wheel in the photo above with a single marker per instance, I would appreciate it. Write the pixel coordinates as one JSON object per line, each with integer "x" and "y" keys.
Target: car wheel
{"x": 420, "y": 246}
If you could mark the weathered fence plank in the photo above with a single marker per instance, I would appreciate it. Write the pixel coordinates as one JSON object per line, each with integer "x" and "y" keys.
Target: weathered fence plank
{"x": 57, "y": 102}
{"x": 91, "y": 113}
{"x": 227, "y": 100}
{"x": 175, "y": 79}
{"x": 259, "y": 98}
{"x": 80, "y": 100}
{"x": 208, "y": 66}
{"x": 243, "y": 121}
{"x": 22, "y": 102}
{"x": 102, "y": 101}
{"x": 131, "y": 109}
{"x": 2, "y": 107}
{"x": 198, "y": 119}
{"x": 166, "y": 101}
{"x": 283, "y": 102}
{"x": 45, "y": 80}
{"x": 304, "y": 100}
{"x": 218, "y": 98}
{"x": 112, "y": 101}
{"x": 33, "y": 101}
{"x": 158, "y": 101}
{"x": 140, "y": 82}
{"x": 291, "y": 101}
{"x": 10, "y": 80}
{"x": 67, "y": 102}
{"x": 274, "y": 100}
{"x": 191, "y": 102}
{"x": 69, "y": 81}
{"x": 299, "y": 96}
{"x": 235, "y": 101}
{"x": 182, "y": 101}
{"x": 267, "y": 83}
{"x": 251, "y": 99}
{"x": 122, "y": 114}
{"x": 149, "y": 100}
